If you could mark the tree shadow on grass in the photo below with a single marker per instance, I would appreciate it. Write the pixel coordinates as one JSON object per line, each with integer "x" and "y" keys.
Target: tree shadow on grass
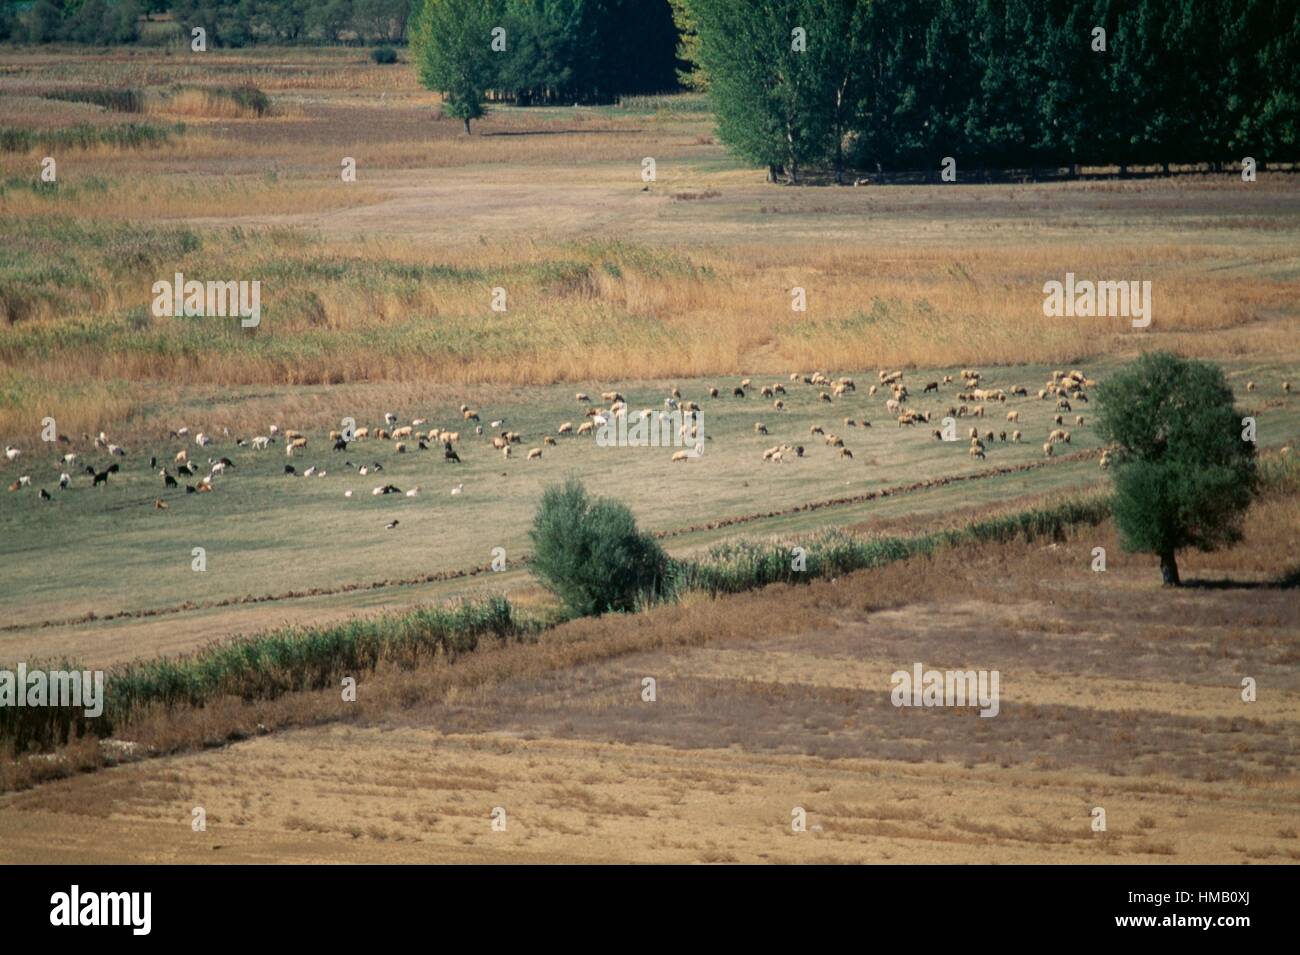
{"x": 1290, "y": 580}
{"x": 558, "y": 132}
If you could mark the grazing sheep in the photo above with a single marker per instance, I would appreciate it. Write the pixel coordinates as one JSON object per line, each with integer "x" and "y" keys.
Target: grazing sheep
{"x": 586, "y": 428}
{"x": 182, "y": 457}
{"x": 846, "y": 453}
{"x": 1058, "y": 419}
{"x": 548, "y": 440}
{"x": 1015, "y": 437}
{"x": 566, "y": 428}
{"x": 1286, "y": 387}
{"x": 404, "y": 432}
{"x": 400, "y": 447}
{"x": 681, "y": 456}
{"x": 534, "y": 453}
{"x": 12, "y": 453}
{"x": 778, "y": 388}
{"x": 745, "y": 382}
{"x": 738, "y": 392}
{"x": 1078, "y": 420}
{"x": 988, "y": 435}
{"x": 713, "y": 392}
{"x": 893, "y": 406}
{"x": 1013, "y": 416}
{"x": 1105, "y": 460}
{"x": 1002, "y": 436}
{"x": 766, "y": 392}
{"x": 469, "y": 415}
{"x": 770, "y": 453}
{"x": 760, "y": 428}
{"x": 505, "y": 452}
{"x": 931, "y": 386}
{"x": 582, "y": 397}
{"x": 779, "y": 405}
{"x": 261, "y": 442}
{"x": 871, "y": 392}
{"x": 977, "y": 451}
{"x": 834, "y": 441}
{"x": 1250, "y": 386}
{"x": 978, "y": 411}
{"x": 1048, "y": 448}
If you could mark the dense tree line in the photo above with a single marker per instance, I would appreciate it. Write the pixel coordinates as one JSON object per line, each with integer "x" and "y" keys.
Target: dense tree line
{"x": 1002, "y": 83}
{"x": 101, "y": 22}
{"x": 545, "y": 51}
{"x": 229, "y": 23}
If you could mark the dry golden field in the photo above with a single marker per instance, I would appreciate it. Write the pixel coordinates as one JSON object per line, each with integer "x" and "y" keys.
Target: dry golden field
{"x": 388, "y": 279}
{"x": 1115, "y": 694}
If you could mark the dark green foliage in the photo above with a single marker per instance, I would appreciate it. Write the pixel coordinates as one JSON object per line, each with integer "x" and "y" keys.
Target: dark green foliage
{"x": 383, "y": 55}
{"x": 1183, "y": 475}
{"x": 1003, "y": 83}
{"x": 585, "y": 51}
{"x": 451, "y": 43}
{"x": 591, "y": 554}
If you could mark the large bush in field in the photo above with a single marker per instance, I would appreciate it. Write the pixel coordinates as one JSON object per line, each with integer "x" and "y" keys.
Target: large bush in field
{"x": 1184, "y": 476}
{"x": 590, "y": 554}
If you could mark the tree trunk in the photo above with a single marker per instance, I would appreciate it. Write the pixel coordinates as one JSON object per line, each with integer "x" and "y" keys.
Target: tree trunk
{"x": 466, "y": 125}
{"x": 771, "y": 173}
{"x": 1169, "y": 570}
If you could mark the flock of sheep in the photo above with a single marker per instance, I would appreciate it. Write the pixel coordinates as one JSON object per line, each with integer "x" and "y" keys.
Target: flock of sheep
{"x": 200, "y": 469}
{"x": 974, "y": 400}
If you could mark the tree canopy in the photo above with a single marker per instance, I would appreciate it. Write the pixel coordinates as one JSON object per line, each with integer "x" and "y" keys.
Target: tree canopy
{"x": 1184, "y": 476}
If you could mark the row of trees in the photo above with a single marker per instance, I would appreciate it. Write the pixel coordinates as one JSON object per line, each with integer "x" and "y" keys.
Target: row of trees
{"x": 100, "y": 22}
{"x": 243, "y": 22}
{"x": 229, "y": 23}
{"x": 1001, "y": 83}
{"x": 543, "y": 51}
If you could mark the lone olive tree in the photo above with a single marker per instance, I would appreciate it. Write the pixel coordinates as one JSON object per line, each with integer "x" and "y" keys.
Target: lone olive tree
{"x": 1184, "y": 474}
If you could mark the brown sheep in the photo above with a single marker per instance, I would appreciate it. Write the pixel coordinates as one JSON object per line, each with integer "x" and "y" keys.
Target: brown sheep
{"x": 534, "y": 453}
